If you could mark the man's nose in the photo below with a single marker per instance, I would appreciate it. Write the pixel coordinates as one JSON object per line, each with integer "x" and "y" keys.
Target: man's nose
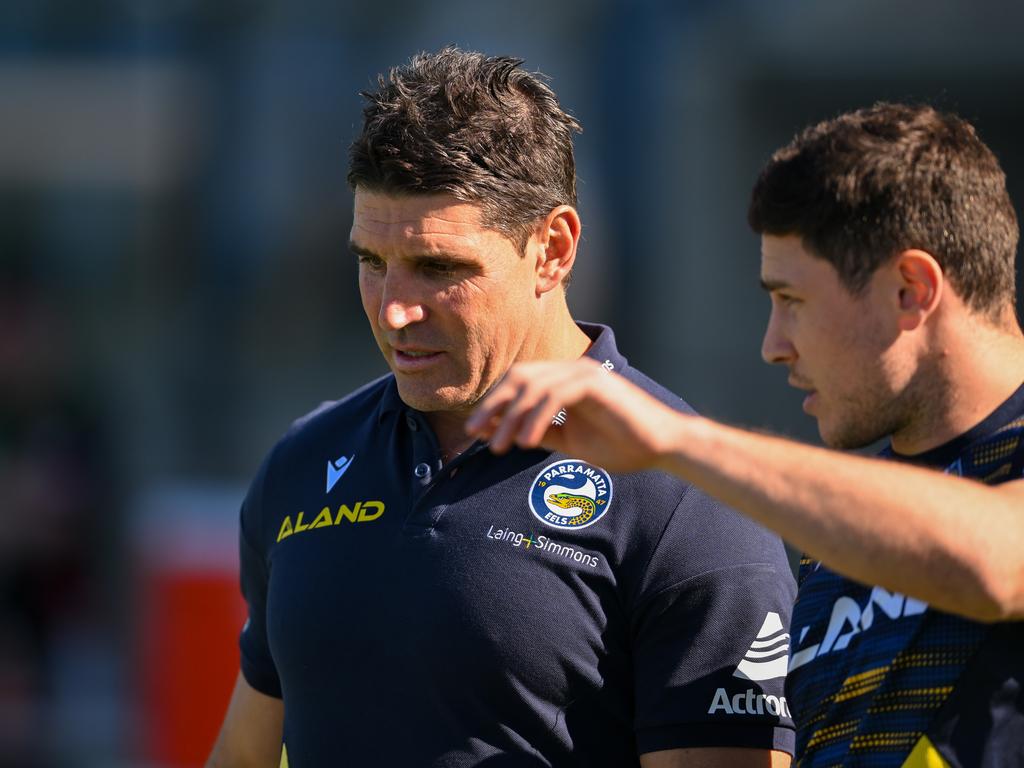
{"x": 399, "y": 307}
{"x": 776, "y": 346}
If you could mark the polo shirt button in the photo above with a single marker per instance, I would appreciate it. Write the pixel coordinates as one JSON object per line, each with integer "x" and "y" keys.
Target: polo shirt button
{"x": 410, "y": 420}
{"x": 422, "y": 470}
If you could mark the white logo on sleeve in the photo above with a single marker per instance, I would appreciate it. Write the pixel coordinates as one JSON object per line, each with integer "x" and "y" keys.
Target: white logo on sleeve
{"x": 766, "y": 659}
{"x": 749, "y": 702}
{"x": 768, "y": 656}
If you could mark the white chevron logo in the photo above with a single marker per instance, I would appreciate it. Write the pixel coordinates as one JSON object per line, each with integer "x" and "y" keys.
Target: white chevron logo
{"x": 335, "y": 469}
{"x": 768, "y": 656}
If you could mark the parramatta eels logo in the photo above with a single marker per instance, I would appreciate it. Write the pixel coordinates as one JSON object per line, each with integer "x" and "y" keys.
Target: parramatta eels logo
{"x": 570, "y": 494}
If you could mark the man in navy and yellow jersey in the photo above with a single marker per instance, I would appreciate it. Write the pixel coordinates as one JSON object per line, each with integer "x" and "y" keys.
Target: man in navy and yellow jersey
{"x": 888, "y": 247}
{"x": 415, "y": 600}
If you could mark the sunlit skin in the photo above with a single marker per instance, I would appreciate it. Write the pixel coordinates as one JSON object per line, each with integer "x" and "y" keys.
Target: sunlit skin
{"x": 845, "y": 350}
{"x": 452, "y": 303}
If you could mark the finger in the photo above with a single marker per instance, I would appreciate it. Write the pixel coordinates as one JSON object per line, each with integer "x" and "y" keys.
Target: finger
{"x": 513, "y": 406}
{"x": 490, "y": 409}
{"x": 555, "y": 439}
{"x": 537, "y": 382}
{"x": 535, "y": 423}
{"x": 514, "y": 413}
{"x": 533, "y": 415}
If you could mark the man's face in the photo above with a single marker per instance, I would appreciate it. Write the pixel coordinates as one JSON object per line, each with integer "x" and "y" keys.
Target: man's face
{"x": 842, "y": 349}
{"x": 452, "y": 304}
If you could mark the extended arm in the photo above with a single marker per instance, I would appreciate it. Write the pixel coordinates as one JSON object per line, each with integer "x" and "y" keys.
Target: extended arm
{"x": 250, "y": 736}
{"x": 953, "y": 543}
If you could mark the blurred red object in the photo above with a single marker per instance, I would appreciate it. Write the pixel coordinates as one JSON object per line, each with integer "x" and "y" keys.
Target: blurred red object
{"x": 190, "y": 612}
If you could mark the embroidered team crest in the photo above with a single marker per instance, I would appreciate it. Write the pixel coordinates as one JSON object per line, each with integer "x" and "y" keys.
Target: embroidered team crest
{"x": 570, "y": 494}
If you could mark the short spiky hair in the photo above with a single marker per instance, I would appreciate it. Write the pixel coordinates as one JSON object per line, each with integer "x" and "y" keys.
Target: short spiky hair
{"x": 864, "y": 186}
{"x": 477, "y": 127}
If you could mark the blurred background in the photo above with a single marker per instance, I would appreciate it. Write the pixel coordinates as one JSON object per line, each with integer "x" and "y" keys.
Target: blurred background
{"x": 175, "y": 285}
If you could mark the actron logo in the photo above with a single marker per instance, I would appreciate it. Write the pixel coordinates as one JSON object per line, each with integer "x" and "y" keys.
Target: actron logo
{"x": 768, "y": 655}
{"x": 749, "y": 702}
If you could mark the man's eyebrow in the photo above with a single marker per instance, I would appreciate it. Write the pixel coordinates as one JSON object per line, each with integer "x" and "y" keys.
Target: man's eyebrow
{"x": 774, "y": 285}
{"x": 358, "y": 250}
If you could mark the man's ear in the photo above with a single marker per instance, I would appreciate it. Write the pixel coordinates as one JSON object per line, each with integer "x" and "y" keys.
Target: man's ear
{"x": 920, "y": 283}
{"x": 557, "y": 239}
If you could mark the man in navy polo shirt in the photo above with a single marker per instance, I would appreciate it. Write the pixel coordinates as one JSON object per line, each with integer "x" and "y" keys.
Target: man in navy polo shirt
{"x": 415, "y": 600}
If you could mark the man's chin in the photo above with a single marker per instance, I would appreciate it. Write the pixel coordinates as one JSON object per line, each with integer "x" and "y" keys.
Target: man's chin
{"x": 435, "y": 400}
{"x": 842, "y": 438}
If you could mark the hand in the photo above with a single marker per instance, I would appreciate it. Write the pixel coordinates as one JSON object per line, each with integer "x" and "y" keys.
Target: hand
{"x": 609, "y": 421}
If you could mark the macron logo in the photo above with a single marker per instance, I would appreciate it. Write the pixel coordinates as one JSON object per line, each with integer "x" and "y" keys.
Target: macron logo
{"x": 768, "y": 656}
{"x": 335, "y": 469}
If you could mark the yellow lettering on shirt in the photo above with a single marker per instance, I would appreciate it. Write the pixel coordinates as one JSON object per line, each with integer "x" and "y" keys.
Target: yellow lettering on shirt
{"x": 360, "y": 512}
{"x": 286, "y": 528}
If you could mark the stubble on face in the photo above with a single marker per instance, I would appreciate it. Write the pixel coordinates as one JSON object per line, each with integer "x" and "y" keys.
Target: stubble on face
{"x": 473, "y": 316}
{"x": 889, "y": 390}
{"x": 864, "y": 416}
{"x": 867, "y": 381}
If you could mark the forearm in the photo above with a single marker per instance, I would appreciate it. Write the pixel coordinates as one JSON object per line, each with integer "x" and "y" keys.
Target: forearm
{"x": 250, "y": 736}
{"x": 953, "y": 543}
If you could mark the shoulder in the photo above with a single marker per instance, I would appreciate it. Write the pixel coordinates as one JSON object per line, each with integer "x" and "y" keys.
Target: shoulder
{"x": 699, "y": 534}
{"x": 312, "y": 436}
{"x": 365, "y": 404}
{"x": 715, "y": 533}
{"x": 603, "y": 348}
{"x": 359, "y": 411}
{"x": 996, "y": 457}
{"x": 706, "y": 540}
{"x": 656, "y": 390}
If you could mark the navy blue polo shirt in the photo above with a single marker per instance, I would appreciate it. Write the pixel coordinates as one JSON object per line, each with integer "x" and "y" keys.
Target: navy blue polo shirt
{"x": 520, "y": 610}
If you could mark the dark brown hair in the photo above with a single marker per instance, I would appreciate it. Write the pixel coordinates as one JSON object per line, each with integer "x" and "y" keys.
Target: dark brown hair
{"x": 477, "y": 127}
{"x": 866, "y": 185}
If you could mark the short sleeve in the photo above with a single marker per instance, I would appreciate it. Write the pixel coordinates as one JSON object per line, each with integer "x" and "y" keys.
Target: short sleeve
{"x": 711, "y": 634}
{"x": 257, "y": 663}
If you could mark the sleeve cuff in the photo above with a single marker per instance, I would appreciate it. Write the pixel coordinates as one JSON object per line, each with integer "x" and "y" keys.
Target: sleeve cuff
{"x": 693, "y": 735}
{"x": 265, "y": 683}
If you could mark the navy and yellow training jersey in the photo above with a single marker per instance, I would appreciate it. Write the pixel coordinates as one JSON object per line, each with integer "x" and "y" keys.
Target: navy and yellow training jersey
{"x": 881, "y": 679}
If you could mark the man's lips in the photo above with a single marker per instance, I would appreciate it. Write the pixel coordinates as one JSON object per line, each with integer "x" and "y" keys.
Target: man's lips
{"x": 799, "y": 383}
{"x": 812, "y": 393}
{"x": 410, "y": 359}
{"x": 809, "y": 401}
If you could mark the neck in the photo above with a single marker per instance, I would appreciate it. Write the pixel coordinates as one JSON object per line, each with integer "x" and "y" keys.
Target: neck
{"x": 977, "y": 370}
{"x": 449, "y": 428}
